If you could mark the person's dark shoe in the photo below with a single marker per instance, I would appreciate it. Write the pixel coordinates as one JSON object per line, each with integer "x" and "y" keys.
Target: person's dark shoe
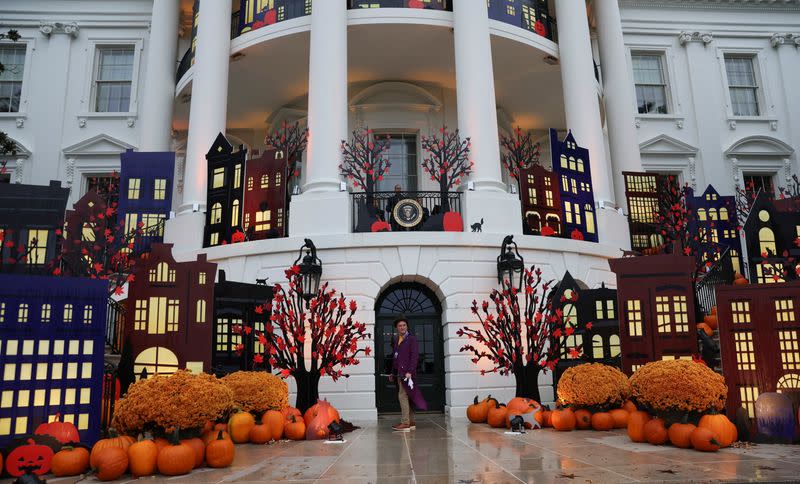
{"x": 401, "y": 427}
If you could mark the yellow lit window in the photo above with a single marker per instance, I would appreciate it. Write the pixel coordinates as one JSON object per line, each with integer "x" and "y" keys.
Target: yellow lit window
{"x": 2, "y": 312}
{"x": 58, "y": 347}
{"x": 23, "y": 398}
{"x": 201, "y": 279}
{"x": 564, "y": 183}
{"x": 237, "y": 176}
{"x": 790, "y": 351}
{"x": 152, "y": 224}
{"x": 22, "y": 313}
{"x": 26, "y": 371}
{"x": 5, "y": 426}
{"x": 83, "y": 421}
{"x": 663, "y": 314}
{"x": 131, "y": 222}
{"x": 723, "y": 213}
{"x": 598, "y": 309}
{"x": 55, "y": 396}
{"x": 74, "y": 347}
{"x": 614, "y": 345}
{"x": 157, "y": 318}
{"x": 681, "y": 314}
{"x": 712, "y": 214}
{"x": 27, "y": 347}
{"x": 574, "y": 188}
{"x": 263, "y": 220}
{"x": 88, "y": 347}
{"x": 634, "y": 368}
{"x": 222, "y": 334}
{"x": 766, "y": 241}
{"x": 162, "y": 273}
{"x": 784, "y": 311}
{"x": 634, "y": 307}
{"x": 218, "y": 178}
{"x": 39, "y": 398}
{"x": 216, "y": 213}
{"x": 572, "y": 165}
{"x": 790, "y": 381}
{"x": 589, "y": 214}
{"x": 6, "y": 399}
{"x": 532, "y": 196}
{"x": 741, "y": 312}
{"x": 278, "y": 179}
{"x": 264, "y": 181}
{"x": 69, "y": 396}
{"x": 749, "y": 395}
{"x": 249, "y": 183}
{"x": 563, "y": 161}
{"x": 160, "y": 189}
{"x": 201, "y": 311}
{"x": 133, "y": 188}
{"x": 46, "y": 310}
{"x": 580, "y": 165}
{"x": 156, "y": 360}
{"x": 745, "y": 352}
{"x": 57, "y": 371}
{"x": 701, "y": 214}
{"x": 86, "y": 369}
{"x": 279, "y": 218}
{"x": 12, "y": 346}
{"x": 548, "y": 196}
{"x": 235, "y": 213}
{"x": 68, "y": 313}
{"x": 140, "y": 315}
{"x": 41, "y": 371}
{"x": 87, "y": 314}
{"x": 214, "y": 239}
{"x": 72, "y": 370}
{"x": 86, "y": 396}
{"x": 767, "y": 273}
{"x": 568, "y": 212}
{"x": 597, "y": 347}
{"x": 88, "y": 234}
{"x": 21, "y": 425}
{"x": 44, "y": 347}
{"x": 173, "y": 309}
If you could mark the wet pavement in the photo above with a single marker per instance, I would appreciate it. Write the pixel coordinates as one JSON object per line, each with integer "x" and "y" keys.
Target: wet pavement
{"x": 443, "y": 450}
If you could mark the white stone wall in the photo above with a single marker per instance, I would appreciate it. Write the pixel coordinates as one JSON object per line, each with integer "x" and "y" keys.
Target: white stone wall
{"x": 458, "y": 267}
{"x": 700, "y": 138}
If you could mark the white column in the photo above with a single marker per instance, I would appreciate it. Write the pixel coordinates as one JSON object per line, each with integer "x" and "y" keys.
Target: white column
{"x": 581, "y": 103}
{"x": 477, "y": 119}
{"x": 322, "y": 208}
{"x": 159, "y": 82}
{"x": 619, "y": 94}
{"x": 207, "y": 118}
{"x": 788, "y": 47}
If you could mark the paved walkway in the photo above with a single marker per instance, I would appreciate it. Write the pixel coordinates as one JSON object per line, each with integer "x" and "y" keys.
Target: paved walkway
{"x": 442, "y": 450}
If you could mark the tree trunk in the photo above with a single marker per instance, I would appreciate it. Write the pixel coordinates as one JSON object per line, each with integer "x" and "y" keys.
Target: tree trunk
{"x": 443, "y": 194}
{"x": 307, "y": 389}
{"x": 527, "y": 378}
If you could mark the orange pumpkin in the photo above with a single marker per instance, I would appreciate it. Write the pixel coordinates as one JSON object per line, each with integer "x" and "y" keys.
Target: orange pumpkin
{"x": 636, "y": 423}
{"x": 111, "y": 463}
{"x": 70, "y": 461}
{"x": 295, "y": 428}
{"x": 221, "y": 426}
{"x": 199, "y": 448}
{"x": 711, "y": 321}
{"x": 209, "y": 425}
{"x": 543, "y": 418}
{"x": 680, "y": 434}
{"x": 740, "y": 280}
{"x": 655, "y": 432}
{"x": 275, "y": 422}
{"x": 563, "y": 419}
{"x": 209, "y": 436}
{"x": 160, "y": 442}
{"x": 583, "y": 419}
{"x": 121, "y": 442}
{"x": 239, "y": 426}
{"x": 477, "y": 412}
{"x": 719, "y": 424}
{"x": 704, "y": 440}
{"x": 602, "y": 421}
{"x": 289, "y": 411}
{"x": 260, "y": 433}
{"x": 142, "y": 457}
{"x": 313, "y": 410}
{"x": 714, "y": 310}
{"x": 497, "y": 416}
{"x": 220, "y": 452}
{"x": 620, "y": 417}
{"x": 629, "y": 406}
{"x": 706, "y": 328}
{"x": 176, "y": 459}
{"x": 522, "y": 405}
{"x": 64, "y": 432}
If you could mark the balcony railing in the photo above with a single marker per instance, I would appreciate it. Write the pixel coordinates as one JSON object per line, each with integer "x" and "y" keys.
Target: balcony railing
{"x": 115, "y": 326}
{"x": 186, "y": 63}
{"x": 422, "y": 4}
{"x": 425, "y": 211}
{"x": 721, "y": 273}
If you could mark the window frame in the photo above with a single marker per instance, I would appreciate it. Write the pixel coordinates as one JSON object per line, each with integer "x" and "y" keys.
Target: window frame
{"x": 665, "y": 76}
{"x": 665, "y": 50}
{"x": 92, "y": 64}
{"x": 758, "y": 56}
{"x": 30, "y": 46}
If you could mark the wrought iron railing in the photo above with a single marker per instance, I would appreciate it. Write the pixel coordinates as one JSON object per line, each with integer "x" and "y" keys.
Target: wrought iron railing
{"x": 720, "y": 273}
{"x": 110, "y": 393}
{"x": 428, "y": 5}
{"x": 115, "y": 325}
{"x": 185, "y": 64}
{"x": 369, "y": 208}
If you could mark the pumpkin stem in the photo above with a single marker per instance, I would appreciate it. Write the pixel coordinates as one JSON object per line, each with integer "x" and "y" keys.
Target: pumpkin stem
{"x": 715, "y": 441}
{"x": 476, "y": 400}
{"x": 175, "y": 440}
{"x": 220, "y": 437}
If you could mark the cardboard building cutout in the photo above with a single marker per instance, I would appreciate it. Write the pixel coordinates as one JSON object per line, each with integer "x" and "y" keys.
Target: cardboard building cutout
{"x": 254, "y": 14}
{"x": 265, "y": 196}
{"x": 540, "y": 196}
{"x": 52, "y": 332}
{"x": 84, "y": 233}
{"x": 145, "y": 194}
{"x": 712, "y": 217}
{"x": 169, "y": 313}
{"x": 769, "y": 236}
{"x": 656, "y": 305}
{"x": 225, "y": 192}
{"x": 572, "y": 169}
{"x": 532, "y": 15}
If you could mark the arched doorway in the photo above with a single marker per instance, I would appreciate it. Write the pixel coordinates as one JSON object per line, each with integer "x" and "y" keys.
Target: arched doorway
{"x": 420, "y": 306}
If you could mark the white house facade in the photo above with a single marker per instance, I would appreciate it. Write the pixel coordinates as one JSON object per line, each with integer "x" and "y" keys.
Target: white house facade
{"x": 702, "y": 89}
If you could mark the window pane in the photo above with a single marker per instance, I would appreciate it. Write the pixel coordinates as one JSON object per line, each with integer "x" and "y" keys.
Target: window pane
{"x": 651, "y": 92}
{"x": 113, "y": 81}
{"x": 647, "y": 69}
{"x": 13, "y": 59}
{"x": 116, "y": 64}
{"x": 740, "y": 71}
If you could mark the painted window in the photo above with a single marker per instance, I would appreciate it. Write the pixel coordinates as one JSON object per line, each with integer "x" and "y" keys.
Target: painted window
{"x": 740, "y": 310}
{"x": 548, "y": 196}
{"x": 264, "y": 181}
{"x": 701, "y": 214}
{"x": 113, "y": 78}
{"x": 279, "y": 218}
{"x": 140, "y": 315}
{"x": 742, "y": 84}
{"x": 249, "y": 183}
{"x": 153, "y": 224}
{"x": 769, "y": 273}
{"x": 22, "y": 313}
{"x": 12, "y": 57}
{"x": 46, "y": 313}
{"x": 278, "y": 179}
{"x": 589, "y": 214}
{"x": 597, "y": 347}
{"x": 263, "y": 220}
{"x": 218, "y": 181}
{"x": 216, "y": 213}
{"x": 766, "y": 241}
{"x": 790, "y": 352}
{"x": 162, "y": 273}
{"x": 87, "y": 234}
{"x": 87, "y": 314}
{"x": 532, "y": 196}
{"x": 37, "y": 245}
{"x": 155, "y": 360}
{"x": 214, "y": 238}
{"x": 749, "y": 395}
{"x": 160, "y": 189}
{"x": 634, "y": 316}
{"x": 651, "y": 83}
{"x": 784, "y": 311}
{"x": 173, "y": 312}
{"x": 68, "y": 313}
{"x": 200, "y": 317}
{"x": 134, "y": 185}
{"x": 201, "y": 278}
{"x": 235, "y": 213}
{"x": 745, "y": 352}
{"x": 574, "y": 340}
{"x": 614, "y": 345}
{"x": 237, "y": 175}
{"x": 723, "y": 213}
{"x": 790, "y": 381}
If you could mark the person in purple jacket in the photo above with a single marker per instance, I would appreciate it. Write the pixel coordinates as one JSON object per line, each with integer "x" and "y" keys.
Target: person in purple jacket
{"x": 404, "y": 371}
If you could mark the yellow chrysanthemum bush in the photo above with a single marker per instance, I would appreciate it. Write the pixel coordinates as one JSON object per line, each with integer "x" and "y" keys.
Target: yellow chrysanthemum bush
{"x": 678, "y": 386}
{"x": 593, "y": 386}
{"x": 257, "y": 391}
{"x": 163, "y": 403}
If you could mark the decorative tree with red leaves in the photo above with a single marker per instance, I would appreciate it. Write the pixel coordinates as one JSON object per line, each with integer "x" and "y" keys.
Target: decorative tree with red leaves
{"x": 447, "y": 161}
{"x": 520, "y": 152}
{"x": 321, "y": 332}
{"x": 365, "y": 160}
{"x": 292, "y": 140}
{"x": 519, "y": 340}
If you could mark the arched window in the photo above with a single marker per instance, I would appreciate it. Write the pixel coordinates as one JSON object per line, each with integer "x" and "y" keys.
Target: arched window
{"x": 162, "y": 273}
{"x": 589, "y": 214}
{"x": 712, "y": 214}
{"x": 155, "y": 360}
{"x": 701, "y": 214}
{"x": 613, "y": 345}
{"x": 597, "y": 347}
{"x": 201, "y": 311}
{"x": 235, "y": 213}
{"x": 572, "y": 165}
{"x": 790, "y": 381}
{"x": 723, "y": 213}
{"x": 563, "y": 161}
{"x": 766, "y": 241}
{"x": 580, "y": 165}
{"x": 264, "y": 181}
{"x": 573, "y": 341}
{"x": 216, "y": 213}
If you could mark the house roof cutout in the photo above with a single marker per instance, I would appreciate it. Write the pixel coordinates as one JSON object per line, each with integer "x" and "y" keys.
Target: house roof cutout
{"x": 100, "y": 145}
{"x": 395, "y": 94}
{"x": 759, "y": 146}
{"x": 221, "y": 146}
{"x": 666, "y": 145}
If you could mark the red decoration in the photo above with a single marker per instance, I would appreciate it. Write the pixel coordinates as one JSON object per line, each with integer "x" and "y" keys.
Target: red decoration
{"x": 447, "y": 161}
{"x": 265, "y": 195}
{"x": 453, "y": 222}
{"x": 547, "y": 231}
{"x": 64, "y": 432}
{"x": 540, "y": 197}
{"x": 32, "y": 458}
{"x": 576, "y": 234}
{"x": 499, "y": 337}
{"x": 381, "y": 226}
{"x": 520, "y": 152}
{"x": 364, "y": 159}
{"x": 270, "y": 17}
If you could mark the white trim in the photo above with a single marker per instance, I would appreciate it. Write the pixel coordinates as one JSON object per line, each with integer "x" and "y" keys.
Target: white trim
{"x": 766, "y": 107}
{"x": 92, "y": 63}
{"x": 22, "y": 150}
{"x": 677, "y": 147}
{"x": 667, "y": 53}
{"x": 30, "y": 47}
{"x": 82, "y": 148}
{"x": 775, "y": 148}
{"x": 427, "y": 101}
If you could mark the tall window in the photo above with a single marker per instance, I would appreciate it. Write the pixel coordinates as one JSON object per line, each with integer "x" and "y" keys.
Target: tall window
{"x": 614, "y": 345}
{"x": 134, "y": 184}
{"x": 249, "y": 183}
{"x": 402, "y": 155}
{"x": 22, "y": 313}
{"x": 37, "y": 243}
{"x": 140, "y": 315}
{"x": 589, "y": 214}
{"x": 219, "y": 177}
{"x": 87, "y": 314}
{"x": 162, "y": 273}
{"x": 200, "y": 317}
{"x": 216, "y": 213}
{"x": 160, "y": 189}
{"x": 113, "y": 78}
{"x": 173, "y": 309}
{"x": 237, "y": 176}
{"x": 46, "y": 310}
{"x": 235, "y": 213}
{"x": 597, "y": 347}
{"x": 651, "y": 84}
{"x": 264, "y": 181}
{"x": 572, "y": 340}
{"x": 749, "y": 395}
{"x": 759, "y": 182}
{"x": 157, "y": 318}
{"x": 634, "y": 307}
{"x": 742, "y": 84}
{"x": 745, "y": 352}
{"x": 13, "y": 59}
{"x": 68, "y": 313}
{"x": 263, "y": 220}
{"x": 766, "y": 241}
{"x": 790, "y": 350}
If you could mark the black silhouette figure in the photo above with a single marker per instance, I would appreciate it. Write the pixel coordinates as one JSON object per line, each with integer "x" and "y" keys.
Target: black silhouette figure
{"x": 477, "y": 227}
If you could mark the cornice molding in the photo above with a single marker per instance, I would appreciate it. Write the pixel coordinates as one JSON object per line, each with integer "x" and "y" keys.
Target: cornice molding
{"x": 687, "y": 37}
{"x": 780, "y": 39}
{"x": 770, "y": 5}
{"x": 68, "y": 28}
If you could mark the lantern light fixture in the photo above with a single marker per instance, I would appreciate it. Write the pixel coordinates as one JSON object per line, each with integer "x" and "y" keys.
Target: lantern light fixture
{"x": 310, "y": 270}
{"x": 510, "y": 265}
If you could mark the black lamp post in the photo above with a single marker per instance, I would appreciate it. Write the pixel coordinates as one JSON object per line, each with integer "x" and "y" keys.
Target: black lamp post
{"x": 310, "y": 270}
{"x": 510, "y": 264}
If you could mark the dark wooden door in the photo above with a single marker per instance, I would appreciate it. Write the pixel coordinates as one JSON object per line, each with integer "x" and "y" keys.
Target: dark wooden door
{"x": 419, "y": 306}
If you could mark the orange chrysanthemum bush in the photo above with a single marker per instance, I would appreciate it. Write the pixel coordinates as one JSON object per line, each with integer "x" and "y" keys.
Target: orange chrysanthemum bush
{"x": 678, "y": 386}
{"x": 257, "y": 391}
{"x": 593, "y": 386}
{"x": 163, "y": 403}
